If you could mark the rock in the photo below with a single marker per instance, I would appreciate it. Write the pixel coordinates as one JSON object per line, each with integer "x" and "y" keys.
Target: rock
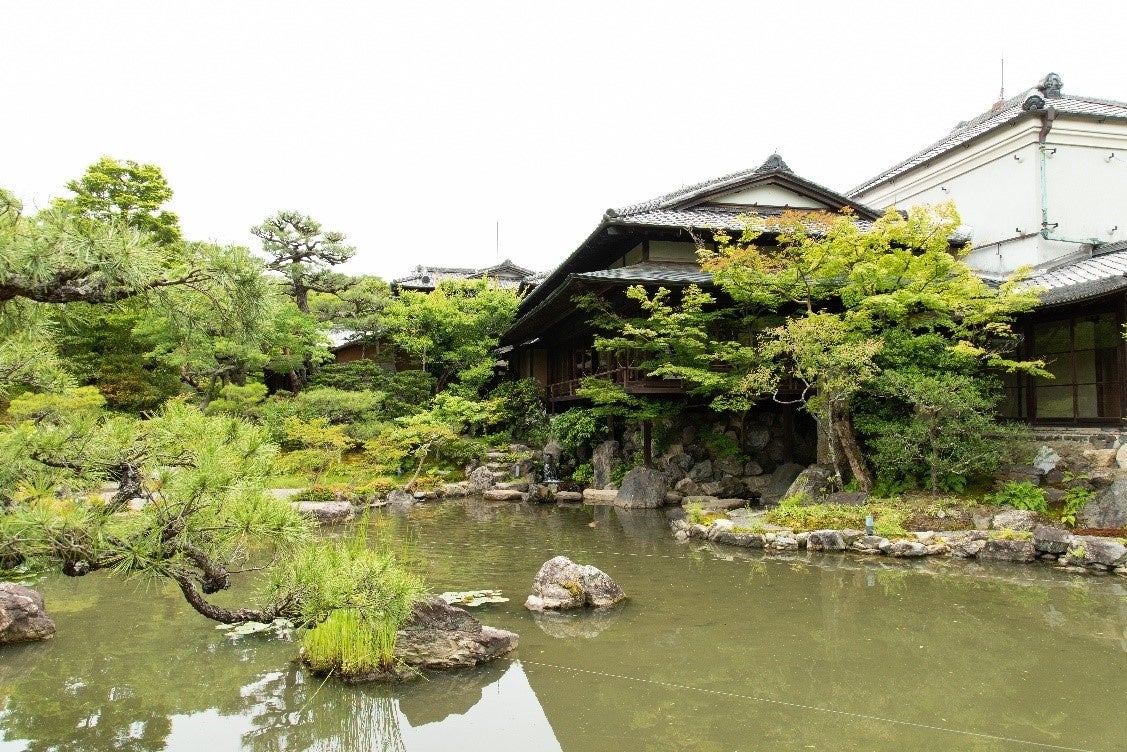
{"x": 1108, "y": 509}
{"x": 728, "y": 466}
{"x": 968, "y": 548}
{"x": 552, "y": 452}
{"x": 513, "y": 485}
{"x": 677, "y": 466}
{"x": 780, "y": 482}
{"x": 673, "y": 499}
{"x": 1101, "y": 458}
{"x": 604, "y": 459}
{"x": 1046, "y": 460}
{"x": 850, "y": 535}
{"x": 1015, "y": 519}
{"x": 456, "y": 490}
{"x": 801, "y": 538}
{"x": 1121, "y": 457}
{"x": 1051, "y": 540}
{"x": 907, "y": 549}
{"x": 479, "y": 479}
{"x": 720, "y": 526}
{"x": 926, "y": 537}
{"x": 641, "y": 488}
{"x": 599, "y": 497}
{"x": 753, "y": 468}
{"x": 400, "y": 498}
{"x": 22, "y": 615}
{"x": 569, "y": 497}
{"x": 1018, "y": 474}
{"x": 1092, "y": 550}
{"x": 1054, "y": 495}
{"x": 701, "y": 471}
{"x": 704, "y": 502}
{"x": 687, "y": 487}
{"x": 744, "y": 540}
{"x": 825, "y": 540}
{"x": 1000, "y": 549}
{"x": 849, "y": 498}
{"x": 502, "y": 494}
{"x": 563, "y": 584}
{"x": 440, "y": 636}
{"x": 871, "y": 544}
{"x": 785, "y": 542}
{"x": 814, "y": 483}
{"x": 325, "y": 512}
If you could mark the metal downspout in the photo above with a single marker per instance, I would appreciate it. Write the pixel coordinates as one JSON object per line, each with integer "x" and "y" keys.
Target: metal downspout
{"x": 1047, "y": 227}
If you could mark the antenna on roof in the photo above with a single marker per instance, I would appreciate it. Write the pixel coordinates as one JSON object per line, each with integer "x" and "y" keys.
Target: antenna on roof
{"x": 1001, "y": 89}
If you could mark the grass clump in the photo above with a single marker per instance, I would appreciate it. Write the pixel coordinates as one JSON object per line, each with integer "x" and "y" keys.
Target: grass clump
{"x": 888, "y": 517}
{"x": 696, "y": 515}
{"x": 1007, "y": 534}
{"x": 353, "y": 598}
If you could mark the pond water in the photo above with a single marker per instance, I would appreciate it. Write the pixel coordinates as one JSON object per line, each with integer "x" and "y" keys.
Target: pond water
{"x": 716, "y": 649}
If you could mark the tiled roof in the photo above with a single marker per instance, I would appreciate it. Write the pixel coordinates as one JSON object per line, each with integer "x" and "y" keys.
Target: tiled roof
{"x": 1033, "y": 101}
{"x": 1105, "y": 272}
{"x": 702, "y": 218}
{"x": 649, "y": 271}
{"x": 773, "y": 167}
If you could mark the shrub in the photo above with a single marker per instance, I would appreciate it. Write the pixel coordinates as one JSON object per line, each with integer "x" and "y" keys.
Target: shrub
{"x": 578, "y": 428}
{"x": 584, "y": 473}
{"x": 521, "y": 411}
{"x": 407, "y": 391}
{"x": 355, "y": 376}
{"x": 888, "y": 520}
{"x": 1074, "y": 500}
{"x": 1022, "y": 495}
{"x": 337, "y": 406}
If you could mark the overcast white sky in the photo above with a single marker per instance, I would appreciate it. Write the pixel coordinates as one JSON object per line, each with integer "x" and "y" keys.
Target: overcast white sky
{"x": 414, "y": 127}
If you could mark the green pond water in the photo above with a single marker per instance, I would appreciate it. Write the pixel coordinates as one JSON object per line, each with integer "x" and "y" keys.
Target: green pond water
{"x": 716, "y": 649}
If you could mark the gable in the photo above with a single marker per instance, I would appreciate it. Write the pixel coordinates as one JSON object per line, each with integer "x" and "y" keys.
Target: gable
{"x": 767, "y": 194}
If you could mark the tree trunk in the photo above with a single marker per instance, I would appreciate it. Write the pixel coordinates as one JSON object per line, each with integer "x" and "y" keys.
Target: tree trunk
{"x": 851, "y": 448}
{"x": 218, "y": 613}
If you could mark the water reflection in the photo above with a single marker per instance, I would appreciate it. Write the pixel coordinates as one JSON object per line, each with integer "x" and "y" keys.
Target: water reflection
{"x": 1018, "y": 651}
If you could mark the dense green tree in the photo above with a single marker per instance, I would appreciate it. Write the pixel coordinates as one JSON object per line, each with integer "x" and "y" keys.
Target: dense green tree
{"x": 111, "y": 190}
{"x": 451, "y": 332}
{"x": 304, "y": 254}
{"x": 855, "y": 287}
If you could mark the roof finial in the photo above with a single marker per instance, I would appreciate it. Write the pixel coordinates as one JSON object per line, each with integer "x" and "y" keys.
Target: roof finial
{"x": 774, "y": 163}
{"x": 1051, "y": 85}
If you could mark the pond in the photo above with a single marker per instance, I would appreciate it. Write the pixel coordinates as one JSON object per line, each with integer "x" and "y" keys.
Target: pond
{"x": 716, "y": 649}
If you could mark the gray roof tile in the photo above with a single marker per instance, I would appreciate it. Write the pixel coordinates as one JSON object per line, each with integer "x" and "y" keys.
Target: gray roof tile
{"x": 1103, "y": 273}
{"x": 649, "y": 272}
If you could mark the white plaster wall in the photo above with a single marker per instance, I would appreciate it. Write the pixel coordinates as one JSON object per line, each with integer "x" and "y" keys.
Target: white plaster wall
{"x": 769, "y": 195}
{"x": 996, "y": 186}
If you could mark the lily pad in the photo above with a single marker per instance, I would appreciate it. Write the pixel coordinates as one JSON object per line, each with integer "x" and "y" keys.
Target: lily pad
{"x": 473, "y": 598}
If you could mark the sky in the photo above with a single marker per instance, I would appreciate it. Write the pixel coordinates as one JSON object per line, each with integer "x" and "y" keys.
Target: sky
{"x": 418, "y": 129}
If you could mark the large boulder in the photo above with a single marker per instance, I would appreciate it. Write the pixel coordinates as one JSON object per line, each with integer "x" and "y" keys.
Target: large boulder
{"x": 1090, "y": 550}
{"x": 1015, "y": 519}
{"x": 480, "y": 479}
{"x": 1051, "y": 540}
{"x": 440, "y": 636}
{"x": 825, "y": 540}
{"x": 814, "y": 483}
{"x": 503, "y": 494}
{"x": 1108, "y": 509}
{"x": 603, "y": 460}
{"x": 780, "y": 483}
{"x": 1001, "y": 549}
{"x": 641, "y": 488}
{"x": 22, "y": 616}
{"x": 907, "y": 549}
{"x": 325, "y": 512}
{"x": 563, "y": 584}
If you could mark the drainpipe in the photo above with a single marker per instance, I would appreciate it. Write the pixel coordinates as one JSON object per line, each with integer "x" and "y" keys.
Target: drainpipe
{"x": 1047, "y": 227}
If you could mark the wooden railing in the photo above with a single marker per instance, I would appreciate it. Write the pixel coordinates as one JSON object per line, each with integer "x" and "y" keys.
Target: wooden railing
{"x": 633, "y": 380}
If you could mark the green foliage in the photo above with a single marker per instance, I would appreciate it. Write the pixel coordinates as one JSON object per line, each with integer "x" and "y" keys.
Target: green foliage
{"x": 888, "y": 519}
{"x": 451, "y": 332}
{"x": 407, "y": 391}
{"x": 720, "y": 444}
{"x": 578, "y": 428}
{"x": 337, "y": 406}
{"x": 320, "y": 446}
{"x": 1011, "y": 535}
{"x": 346, "y": 643}
{"x": 240, "y": 401}
{"x": 618, "y": 472}
{"x": 355, "y": 376}
{"x": 520, "y": 410}
{"x": 303, "y": 254}
{"x": 349, "y": 575}
{"x": 1074, "y": 501}
{"x": 583, "y": 473}
{"x": 1024, "y": 495}
{"x": 134, "y": 193}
